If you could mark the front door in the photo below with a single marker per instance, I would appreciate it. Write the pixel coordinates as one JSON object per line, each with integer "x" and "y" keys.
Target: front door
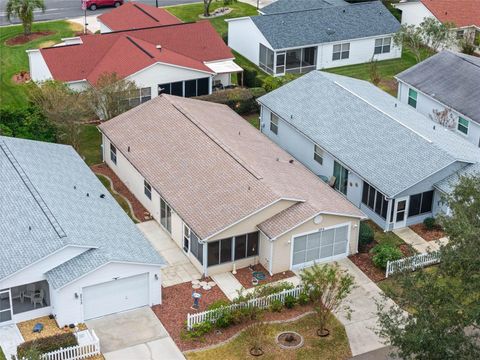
{"x": 400, "y": 213}
{"x": 280, "y": 69}
{"x": 341, "y": 178}
{"x": 5, "y": 306}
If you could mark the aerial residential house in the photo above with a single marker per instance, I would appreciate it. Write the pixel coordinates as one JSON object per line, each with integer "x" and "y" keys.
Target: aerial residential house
{"x": 185, "y": 59}
{"x": 447, "y": 80}
{"x": 226, "y": 194}
{"x": 464, "y": 14}
{"x": 299, "y": 36}
{"x": 66, "y": 247}
{"x": 133, "y": 15}
{"x": 386, "y": 158}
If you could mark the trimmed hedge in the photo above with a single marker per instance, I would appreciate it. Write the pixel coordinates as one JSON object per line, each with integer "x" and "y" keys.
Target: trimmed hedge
{"x": 366, "y": 235}
{"x": 241, "y": 100}
{"x": 47, "y": 344}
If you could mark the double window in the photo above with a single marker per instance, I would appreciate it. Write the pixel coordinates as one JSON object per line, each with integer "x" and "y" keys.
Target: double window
{"x": 463, "y": 125}
{"x": 412, "y": 98}
{"x": 265, "y": 60}
{"x": 341, "y": 51}
{"x": 147, "y": 189}
{"x": 189, "y": 88}
{"x": 273, "y": 123}
{"x": 375, "y": 200}
{"x": 220, "y": 251}
{"x": 420, "y": 203}
{"x": 113, "y": 154}
{"x": 341, "y": 178}
{"x": 136, "y": 97}
{"x": 165, "y": 215}
{"x": 382, "y": 45}
{"x": 318, "y": 154}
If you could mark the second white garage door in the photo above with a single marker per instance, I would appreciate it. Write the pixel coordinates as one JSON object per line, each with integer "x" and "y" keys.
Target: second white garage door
{"x": 321, "y": 246}
{"x": 115, "y": 296}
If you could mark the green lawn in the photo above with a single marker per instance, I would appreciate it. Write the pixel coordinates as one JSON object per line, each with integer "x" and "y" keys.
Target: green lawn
{"x": 90, "y": 145}
{"x": 333, "y": 347}
{"x": 120, "y": 199}
{"x": 14, "y": 59}
{"x": 2, "y": 355}
{"x": 381, "y": 236}
{"x": 253, "y": 119}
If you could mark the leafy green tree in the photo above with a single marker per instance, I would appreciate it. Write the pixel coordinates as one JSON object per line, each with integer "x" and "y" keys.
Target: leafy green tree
{"x": 437, "y": 34}
{"x": 27, "y": 123}
{"x": 23, "y": 9}
{"x": 444, "y": 301}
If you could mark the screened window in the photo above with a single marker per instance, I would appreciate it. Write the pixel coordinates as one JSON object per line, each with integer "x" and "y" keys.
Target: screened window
{"x": 420, "y": 203}
{"x": 189, "y": 88}
{"x": 382, "y": 45}
{"x": 196, "y": 248}
{"x": 213, "y": 253}
{"x": 240, "y": 247}
{"x": 147, "y": 189}
{"x": 165, "y": 215}
{"x": 463, "y": 125}
{"x": 113, "y": 154}
{"x": 136, "y": 97}
{"x": 220, "y": 252}
{"x": 460, "y": 34}
{"x": 318, "y": 154}
{"x": 412, "y": 98}
{"x": 375, "y": 200}
{"x": 341, "y": 51}
{"x": 341, "y": 178}
{"x": 265, "y": 60}
{"x": 273, "y": 123}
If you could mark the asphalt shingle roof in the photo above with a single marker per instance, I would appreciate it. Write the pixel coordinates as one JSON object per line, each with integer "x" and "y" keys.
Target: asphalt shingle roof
{"x": 329, "y": 24}
{"x": 387, "y": 143}
{"x": 281, "y": 6}
{"x": 451, "y": 78}
{"x": 62, "y": 180}
{"x": 448, "y": 184}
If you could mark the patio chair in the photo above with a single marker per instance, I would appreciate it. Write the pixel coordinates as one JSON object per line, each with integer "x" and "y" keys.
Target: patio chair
{"x": 38, "y": 299}
{"x": 29, "y": 292}
{"x": 332, "y": 180}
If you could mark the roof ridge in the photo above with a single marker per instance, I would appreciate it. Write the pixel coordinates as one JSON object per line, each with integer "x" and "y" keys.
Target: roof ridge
{"x": 129, "y": 38}
{"x": 320, "y": 8}
{"x": 465, "y": 57}
{"x": 151, "y": 27}
{"x": 145, "y": 12}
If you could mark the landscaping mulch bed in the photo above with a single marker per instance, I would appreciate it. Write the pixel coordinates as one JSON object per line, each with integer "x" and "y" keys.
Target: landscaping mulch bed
{"x": 364, "y": 262}
{"x": 50, "y": 328}
{"x": 244, "y": 276}
{"x": 22, "y": 39}
{"x": 428, "y": 235}
{"x": 120, "y": 187}
{"x": 21, "y": 78}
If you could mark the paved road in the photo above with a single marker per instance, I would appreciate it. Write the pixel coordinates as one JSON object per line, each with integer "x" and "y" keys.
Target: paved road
{"x": 63, "y": 9}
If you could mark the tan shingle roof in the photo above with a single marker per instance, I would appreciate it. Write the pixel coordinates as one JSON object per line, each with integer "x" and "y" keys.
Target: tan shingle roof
{"x": 214, "y": 168}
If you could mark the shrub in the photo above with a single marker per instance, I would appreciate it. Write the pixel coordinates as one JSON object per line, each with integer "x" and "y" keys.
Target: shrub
{"x": 429, "y": 223}
{"x": 218, "y": 304}
{"x": 47, "y": 344}
{"x": 290, "y": 301}
{"x": 241, "y": 100}
{"x": 303, "y": 298}
{"x": 271, "y": 83}
{"x": 383, "y": 253}
{"x": 366, "y": 234}
{"x": 225, "y": 320}
{"x": 276, "y": 306}
{"x": 197, "y": 331}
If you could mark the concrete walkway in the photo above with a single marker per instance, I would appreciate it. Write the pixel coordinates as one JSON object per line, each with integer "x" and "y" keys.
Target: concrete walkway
{"x": 179, "y": 269}
{"x": 10, "y": 338}
{"x": 417, "y": 242}
{"x": 228, "y": 284}
{"x": 92, "y": 22}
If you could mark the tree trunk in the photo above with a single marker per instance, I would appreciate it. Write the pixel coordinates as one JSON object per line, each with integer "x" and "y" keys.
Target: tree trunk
{"x": 27, "y": 28}
{"x": 206, "y": 7}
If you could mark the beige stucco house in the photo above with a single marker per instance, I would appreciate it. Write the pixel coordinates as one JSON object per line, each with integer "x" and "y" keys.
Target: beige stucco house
{"x": 224, "y": 192}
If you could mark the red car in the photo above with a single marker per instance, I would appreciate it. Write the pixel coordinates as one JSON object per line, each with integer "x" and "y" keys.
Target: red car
{"x": 94, "y": 4}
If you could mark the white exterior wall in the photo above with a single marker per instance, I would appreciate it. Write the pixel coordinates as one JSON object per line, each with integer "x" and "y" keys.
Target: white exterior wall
{"x": 224, "y": 78}
{"x": 104, "y": 28}
{"x": 69, "y": 310}
{"x": 426, "y": 105}
{"x": 78, "y": 85}
{"x": 39, "y": 70}
{"x": 413, "y": 13}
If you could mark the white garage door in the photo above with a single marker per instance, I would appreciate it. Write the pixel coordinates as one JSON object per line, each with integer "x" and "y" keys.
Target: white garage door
{"x": 321, "y": 246}
{"x": 115, "y": 296}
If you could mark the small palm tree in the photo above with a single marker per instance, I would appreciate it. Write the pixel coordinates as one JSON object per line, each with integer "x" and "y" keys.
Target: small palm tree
{"x": 23, "y": 9}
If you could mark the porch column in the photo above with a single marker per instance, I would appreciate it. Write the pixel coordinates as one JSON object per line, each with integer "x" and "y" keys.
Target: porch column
{"x": 388, "y": 219}
{"x": 205, "y": 258}
{"x": 270, "y": 261}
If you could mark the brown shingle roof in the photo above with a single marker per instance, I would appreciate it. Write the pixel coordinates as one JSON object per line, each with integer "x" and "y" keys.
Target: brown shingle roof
{"x": 214, "y": 168}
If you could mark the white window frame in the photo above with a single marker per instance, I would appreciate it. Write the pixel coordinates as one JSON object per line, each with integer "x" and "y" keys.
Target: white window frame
{"x": 274, "y": 119}
{"x": 344, "y": 52}
{"x": 466, "y": 127}
{"x": 318, "y": 154}
{"x": 385, "y": 46}
{"x": 113, "y": 154}
{"x": 147, "y": 189}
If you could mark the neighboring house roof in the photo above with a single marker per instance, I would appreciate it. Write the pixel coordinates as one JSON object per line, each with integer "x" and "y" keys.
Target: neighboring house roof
{"x": 387, "y": 143}
{"x": 50, "y": 199}
{"x": 450, "y": 78}
{"x": 448, "y": 184}
{"x": 460, "y": 12}
{"x": 281, "y": 6}
{"x": 214, "y": 168}
{"x": 127, "y": 52}
{"x": 133, "y": 15}
{"x": 329, "y": 24}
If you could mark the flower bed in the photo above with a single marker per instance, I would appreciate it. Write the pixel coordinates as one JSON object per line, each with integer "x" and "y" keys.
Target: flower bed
{"x": 428, "y": 235}
{"x": 245, "y": 275}
{"x": 50, "y": 328}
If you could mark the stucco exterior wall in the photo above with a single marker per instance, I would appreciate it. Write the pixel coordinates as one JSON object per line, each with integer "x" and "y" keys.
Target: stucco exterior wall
{"x": 413, "y": 13}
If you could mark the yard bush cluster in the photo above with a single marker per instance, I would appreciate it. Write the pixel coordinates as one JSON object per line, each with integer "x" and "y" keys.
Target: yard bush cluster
{"x": 366, "y": 235}
{"x": 27, "y": 123}
{"x": 47, "y": 344}
{"x": 241, "y": 100}
{"x": 430, "y": 223}
{"x": 385, "y": 252}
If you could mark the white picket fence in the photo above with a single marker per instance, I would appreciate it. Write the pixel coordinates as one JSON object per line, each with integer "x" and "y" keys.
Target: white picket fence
{"x": 412, "y": 262}
{"x": 262, "y": 303}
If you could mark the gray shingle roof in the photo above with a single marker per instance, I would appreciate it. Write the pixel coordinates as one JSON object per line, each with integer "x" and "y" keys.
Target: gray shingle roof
{"x": 451, "y": 78}
{"x": 281, "y": 6}
{"x": 389, "y": 144}
{"x": 62, "y": 180}
{"x": 448, "y": 184}
{"x": 310, "y": 27}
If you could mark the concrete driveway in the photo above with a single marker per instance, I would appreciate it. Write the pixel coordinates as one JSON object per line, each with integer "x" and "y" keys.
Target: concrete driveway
{"x": 135, "y": 334}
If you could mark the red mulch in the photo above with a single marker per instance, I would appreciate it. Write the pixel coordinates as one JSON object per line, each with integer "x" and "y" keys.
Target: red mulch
{"x": 22, "y": 39}
{"x": 21, "y": 77}
{"x": 176, "y": 304}
{"x": 244, "y": 276}
{"x": 138, "y": 209}
{"x": 363, "y": 260}
{"x": 429, "y": 235}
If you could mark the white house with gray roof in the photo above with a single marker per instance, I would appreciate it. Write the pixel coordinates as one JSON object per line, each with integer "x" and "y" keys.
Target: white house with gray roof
{"x": 66, "y": 247}
{"x": 299, "y": 36}
{"x": 447, "y": 81}
{"x": 386, "y": 158}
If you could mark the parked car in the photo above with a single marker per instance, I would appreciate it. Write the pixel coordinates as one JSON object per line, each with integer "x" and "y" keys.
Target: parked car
{"x": 94, "y": 4}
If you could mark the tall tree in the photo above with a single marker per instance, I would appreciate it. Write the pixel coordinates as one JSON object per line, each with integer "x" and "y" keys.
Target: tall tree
{"x": 206, "y": 7}
{"x": 437, "y": 35}
{"x": 23, "y": 9}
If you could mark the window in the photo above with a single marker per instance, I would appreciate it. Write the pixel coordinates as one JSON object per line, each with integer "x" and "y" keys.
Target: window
{"x": 213, "y": 253}
{"x": 273, "y": 123}
{"x": 136, "y": 97}
{"x": 113, "y": 154}
{"x": 252, "y": 244}
{"x": 280, "y": 69}
{"x": 165, "y": 215}
{"x": 420, "y": 203}
{"x": 375, "y": 200}
{"x": 460, "y": 34}
{"x": 246, "y": 245}
{"x": 190, "y": 88}
{"x": 265, "y": 60}
{"x": 341, "y": 51}
{"x": 382, "y": 45}
{"x": 463, "y": 125}
{"x": 226, "y": 250}
{"x": 220, "y": 252}
{"x": 318, "y": 154}
{"x": 147, "y": 189}
{"x": 341, "y": 178}
{"x": 196, "y": 248}
{"x": 412, "y": 98}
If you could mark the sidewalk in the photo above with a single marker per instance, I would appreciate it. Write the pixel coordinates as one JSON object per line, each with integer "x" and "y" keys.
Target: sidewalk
{"x": 417, "y": 242}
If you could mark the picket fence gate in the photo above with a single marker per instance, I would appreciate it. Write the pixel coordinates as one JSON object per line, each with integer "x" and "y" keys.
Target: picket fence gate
{"x": 262, "y": 303}
{"x": 412, "y": 262}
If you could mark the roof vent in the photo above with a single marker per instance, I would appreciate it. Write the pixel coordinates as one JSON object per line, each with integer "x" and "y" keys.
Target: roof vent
{"x": 395, "y": 104}
{"x": 102, "y": 196}
{"x": 330, "y": 31}
{"x": 433, "y": 127}
{"x": 74, "y": 187}
{"x": 290, "y": 161}
{"x": 343, "y": 10}
{"x": 88, "y": 194}
{"x": 278, "y": 159}
{"x": 159, "y": 47}
{"x": 128, "y": 149}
